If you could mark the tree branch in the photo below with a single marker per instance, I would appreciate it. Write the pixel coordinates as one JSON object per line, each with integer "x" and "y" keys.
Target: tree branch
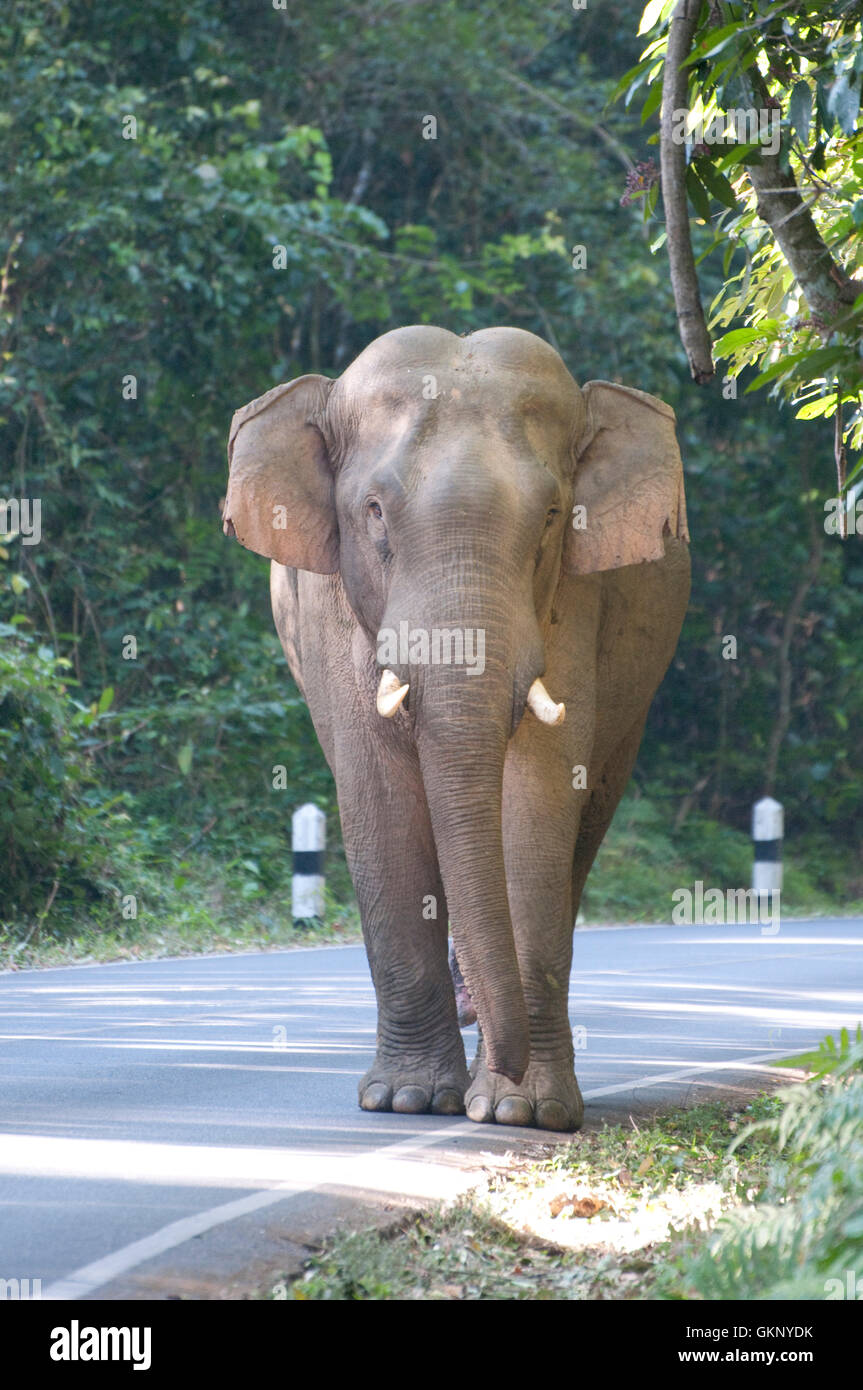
{"x": 684, "y": 281}
{"x": 823, "y": 283}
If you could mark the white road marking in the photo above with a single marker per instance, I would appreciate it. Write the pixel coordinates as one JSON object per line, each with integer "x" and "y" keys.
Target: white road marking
{"x": 755, "y": 1063}
{"x": 374, "y": 1170}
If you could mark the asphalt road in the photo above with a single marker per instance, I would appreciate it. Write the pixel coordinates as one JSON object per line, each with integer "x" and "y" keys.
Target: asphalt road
{"x": 188, "y": 1127}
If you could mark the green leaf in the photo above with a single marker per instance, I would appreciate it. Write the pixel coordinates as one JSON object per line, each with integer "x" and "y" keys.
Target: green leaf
{"x": 717, "y": 184}
{"x": 654, "y": 98}
{"x": 184, "y": 758}
{"x": 652, "y": 14}
{"x": 737, "y": 338}
{"x": 783, "y": 364}
{"x": 812, "y": 410}
{"x": 738, "y": 154}
{"x": 800, "y": 110}
{"x": 106, "y": 699}
{"x": 713, "y": 42}
{"x": 629, "y": 82}
{"x": 697, "y": 194}
{"x": 843, "y": 102}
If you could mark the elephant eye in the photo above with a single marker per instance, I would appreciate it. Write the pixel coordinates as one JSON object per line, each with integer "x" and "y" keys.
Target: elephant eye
{"x": 374, "y": 509}
{"x": 549, "y": 520}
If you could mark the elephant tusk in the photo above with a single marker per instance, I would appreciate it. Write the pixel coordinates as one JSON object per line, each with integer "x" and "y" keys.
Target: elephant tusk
{"x": 543, "y": 706}
{"x": 391, "y": 692}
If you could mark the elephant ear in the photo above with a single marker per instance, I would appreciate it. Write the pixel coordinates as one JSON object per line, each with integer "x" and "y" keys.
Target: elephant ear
{"x": 280, "y": 499}
{"x": 628, "y": 481}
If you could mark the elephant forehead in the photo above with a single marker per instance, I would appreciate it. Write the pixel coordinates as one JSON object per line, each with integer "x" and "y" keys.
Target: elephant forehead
{"x": 493, "y": 360}
{"x": 399, "y": 393}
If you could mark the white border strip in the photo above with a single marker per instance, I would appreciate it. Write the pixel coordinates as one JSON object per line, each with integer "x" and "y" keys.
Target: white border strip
{"x": 89, "y": 1277}
{"x": 698, "y": 1068}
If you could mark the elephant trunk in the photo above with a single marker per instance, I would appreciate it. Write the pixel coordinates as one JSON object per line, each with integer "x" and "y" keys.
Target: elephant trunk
{"x": 462, "y": 762}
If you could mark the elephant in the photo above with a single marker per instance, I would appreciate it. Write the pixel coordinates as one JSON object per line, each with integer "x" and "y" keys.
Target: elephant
{"x": 479, "y": 572}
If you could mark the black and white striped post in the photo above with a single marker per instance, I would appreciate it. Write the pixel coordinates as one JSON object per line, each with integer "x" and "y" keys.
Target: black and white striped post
{"x": 308, "y": 834}
{"x": 768, "y": 826}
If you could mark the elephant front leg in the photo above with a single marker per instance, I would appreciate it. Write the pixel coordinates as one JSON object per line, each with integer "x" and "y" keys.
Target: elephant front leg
{"x": 541, "y": 817}
{"x": 420, "y": 1063}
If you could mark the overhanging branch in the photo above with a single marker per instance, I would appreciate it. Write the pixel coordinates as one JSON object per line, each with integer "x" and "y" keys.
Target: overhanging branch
{"x": 824, "y": 284}
{"x": 684, "y": 281}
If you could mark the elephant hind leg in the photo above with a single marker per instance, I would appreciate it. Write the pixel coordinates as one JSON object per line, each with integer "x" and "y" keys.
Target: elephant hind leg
{"x": 464, "y": 1003}
{"x": 599, "y": 811}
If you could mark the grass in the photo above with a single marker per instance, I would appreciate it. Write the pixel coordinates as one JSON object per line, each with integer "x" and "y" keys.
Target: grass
{"x": 190, "y": 904}
{"x": 643, "y": 859}
{"x": 608, "y": 1216}
{"x": 710, "y": 1203}
{"x": 200, "y": 908}
{"x": 829, "y": 1057}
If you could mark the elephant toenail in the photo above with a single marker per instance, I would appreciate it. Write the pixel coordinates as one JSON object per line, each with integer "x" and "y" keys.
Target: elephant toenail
{"x": 410, "y": 1100}
{"x": 376, "y": 1097}
{"x": 447, "y": 1102}
{"x": 552, "y": 1114}
{"x": 514, "y": 1110}
{"x": 480, "y": 1110}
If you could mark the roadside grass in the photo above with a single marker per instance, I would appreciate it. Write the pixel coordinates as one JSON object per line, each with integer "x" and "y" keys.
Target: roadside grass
{"x": 714, "y": 1202}
{"x": 644, "y": 859}
{"x": 829, "y": 1055}
{"x": 606, "y": 1216}
{"x": 195, "y": 908}
{"x": 235, "y": 895}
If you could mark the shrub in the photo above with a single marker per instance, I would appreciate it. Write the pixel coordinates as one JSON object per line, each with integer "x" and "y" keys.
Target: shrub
{"x": 806, "y": 1235}
{"x": 59, "y": 828}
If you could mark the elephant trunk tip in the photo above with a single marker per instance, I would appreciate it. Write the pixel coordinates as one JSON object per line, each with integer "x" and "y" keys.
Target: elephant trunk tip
{"x": 507, "y": 1060}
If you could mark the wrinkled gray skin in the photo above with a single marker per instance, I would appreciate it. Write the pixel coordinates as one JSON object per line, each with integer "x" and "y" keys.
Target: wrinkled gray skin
{"x": 434, "y": 482}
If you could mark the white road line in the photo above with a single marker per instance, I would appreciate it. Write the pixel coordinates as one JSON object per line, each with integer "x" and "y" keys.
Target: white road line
{"x": 754, "y": 1063}
{"x": 85, "y": 1280}
{"x": 354, "y": 1172}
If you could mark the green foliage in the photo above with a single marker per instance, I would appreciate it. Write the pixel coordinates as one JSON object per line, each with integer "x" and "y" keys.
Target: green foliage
{"x": 154, "y": 258}
{"x": 648, "y": 1179}
{"x": 832, "y": 1058}
{"x": 644, "y": 859}
{"x": 57, "y": 824}
{"x": 461, "y": 1253}
{"x": 809, "y": 71}
{"x": 807, "y": 1229}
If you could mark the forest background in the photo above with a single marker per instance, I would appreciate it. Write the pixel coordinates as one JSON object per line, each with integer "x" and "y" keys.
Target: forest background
{"x": 152, "y": 161}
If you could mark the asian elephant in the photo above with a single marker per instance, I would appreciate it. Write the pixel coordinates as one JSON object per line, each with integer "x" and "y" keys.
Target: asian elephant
{"x": 479, "y": 576}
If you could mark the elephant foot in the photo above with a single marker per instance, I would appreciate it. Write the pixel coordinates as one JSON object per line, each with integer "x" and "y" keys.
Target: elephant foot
{"x": 548, "y": 1098}
{"x": 414, "y": 1090}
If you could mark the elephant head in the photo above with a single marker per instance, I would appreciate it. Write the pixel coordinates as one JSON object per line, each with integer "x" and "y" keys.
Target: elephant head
{"x": 453, "y": 484}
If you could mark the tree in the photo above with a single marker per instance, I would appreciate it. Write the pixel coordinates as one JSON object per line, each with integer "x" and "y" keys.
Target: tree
{"x": 761, "y": 144}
